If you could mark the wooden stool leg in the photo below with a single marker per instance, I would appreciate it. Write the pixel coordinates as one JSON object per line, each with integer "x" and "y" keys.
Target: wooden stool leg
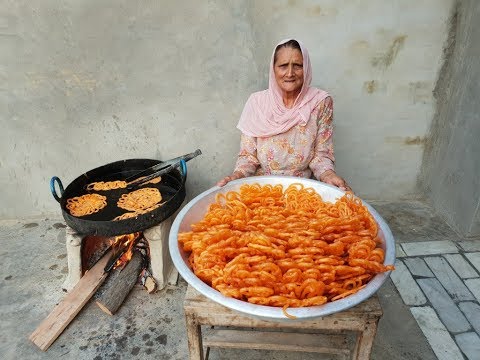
{"x": 194, "y": 334}
{"x": 364, "y": 342}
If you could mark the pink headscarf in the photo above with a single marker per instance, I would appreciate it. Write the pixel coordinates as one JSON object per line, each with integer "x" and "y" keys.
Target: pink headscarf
{"x": 265, "y": 114}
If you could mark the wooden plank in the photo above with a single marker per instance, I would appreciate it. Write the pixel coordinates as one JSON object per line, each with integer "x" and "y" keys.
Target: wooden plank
{"x": 194, "y": 335}
{"x": 244, "y": 321}
{"x": 364, "y": 343}
{"x": 53, "y": 325}
{"x": 282, "y": 341}
{"x": 209, "y": 312}
{"x": 370, "y": 307}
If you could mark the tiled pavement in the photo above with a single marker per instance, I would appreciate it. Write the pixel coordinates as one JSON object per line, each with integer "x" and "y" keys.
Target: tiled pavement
{"x": 440, "y": 282}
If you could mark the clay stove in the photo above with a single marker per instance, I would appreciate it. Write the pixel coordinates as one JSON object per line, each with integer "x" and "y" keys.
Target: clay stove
{"x": 161, "y": 266}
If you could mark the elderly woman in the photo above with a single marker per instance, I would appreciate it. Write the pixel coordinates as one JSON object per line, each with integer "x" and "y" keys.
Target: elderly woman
{"x": 287, "y": 129}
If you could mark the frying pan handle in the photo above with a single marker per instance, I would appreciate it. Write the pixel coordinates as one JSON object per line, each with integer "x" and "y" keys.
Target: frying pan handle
{"x": 183, "y": 170}
{"x": 54, "y": 180}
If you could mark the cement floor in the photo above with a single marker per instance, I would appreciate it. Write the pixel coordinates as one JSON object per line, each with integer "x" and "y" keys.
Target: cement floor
{"x": 34, "y": 266}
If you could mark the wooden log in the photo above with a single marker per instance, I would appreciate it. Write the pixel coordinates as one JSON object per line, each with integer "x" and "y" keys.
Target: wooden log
{"x": 150, "y": 285}
{"x": 113, "y": 296}
{"x": 53, "y": 325}
{"x": 112, "y": 276}
{"x": 148, "y": 281}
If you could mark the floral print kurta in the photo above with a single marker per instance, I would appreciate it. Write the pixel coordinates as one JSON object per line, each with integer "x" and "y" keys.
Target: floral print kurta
{"x": 300, "y": 151}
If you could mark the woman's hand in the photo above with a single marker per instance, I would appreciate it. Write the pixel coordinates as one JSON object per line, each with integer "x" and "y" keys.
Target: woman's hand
{"x": 236, "y": 175}
{"x": 330, "y": 177}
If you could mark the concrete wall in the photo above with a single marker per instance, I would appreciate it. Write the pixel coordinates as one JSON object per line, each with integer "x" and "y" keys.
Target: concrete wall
{"x": 83, "y": 83}
{"x": 451, "y": 171}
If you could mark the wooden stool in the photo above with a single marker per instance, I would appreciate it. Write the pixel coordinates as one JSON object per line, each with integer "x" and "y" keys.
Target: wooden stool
{"x": 362, "y": 320}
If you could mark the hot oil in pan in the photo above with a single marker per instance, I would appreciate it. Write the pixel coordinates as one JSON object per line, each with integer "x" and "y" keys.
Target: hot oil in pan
{"x": 168, "y": 187}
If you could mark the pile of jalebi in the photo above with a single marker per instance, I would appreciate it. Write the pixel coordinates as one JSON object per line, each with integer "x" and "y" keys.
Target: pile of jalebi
{"x": 107, "y": 185}
{"x": 134, "y": 214}
{"x": 117, "y": 184}
{"x": 285, "y": 248}
{"x": 86, "y": 204}
{"x": 139, "y": 202}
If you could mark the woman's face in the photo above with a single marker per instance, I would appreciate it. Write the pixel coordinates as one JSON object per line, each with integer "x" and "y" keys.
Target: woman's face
{"x": 288, "y": 69}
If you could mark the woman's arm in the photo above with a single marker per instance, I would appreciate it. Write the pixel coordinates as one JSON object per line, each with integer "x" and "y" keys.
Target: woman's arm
{"x": 247, "y": 162}
{"x": 322, "y": 164}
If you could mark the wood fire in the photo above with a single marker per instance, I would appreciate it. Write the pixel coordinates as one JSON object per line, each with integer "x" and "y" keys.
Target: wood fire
{"x": 122, "y": 265}
{"x": 124, "y": 245}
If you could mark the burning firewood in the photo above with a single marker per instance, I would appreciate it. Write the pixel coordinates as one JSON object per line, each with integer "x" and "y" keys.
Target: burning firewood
{"x": 114, "y": 292}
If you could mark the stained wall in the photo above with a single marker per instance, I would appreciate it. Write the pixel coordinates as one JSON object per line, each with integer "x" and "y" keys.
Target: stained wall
{"x": 84, "y": 83}
{"x": 450, "y": 175}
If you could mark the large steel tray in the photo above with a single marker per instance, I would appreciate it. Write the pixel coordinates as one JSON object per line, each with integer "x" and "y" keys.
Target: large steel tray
{"x": 196, "y": 209}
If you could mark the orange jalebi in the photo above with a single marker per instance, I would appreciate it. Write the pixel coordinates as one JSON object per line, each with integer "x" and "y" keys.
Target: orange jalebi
{"x": 134, "y": 214}
{"x": 140, "y": 200}
{"x": 86, "y": 204}
{"x": 285, "y": 248}
{"x": 117, "y": 184}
